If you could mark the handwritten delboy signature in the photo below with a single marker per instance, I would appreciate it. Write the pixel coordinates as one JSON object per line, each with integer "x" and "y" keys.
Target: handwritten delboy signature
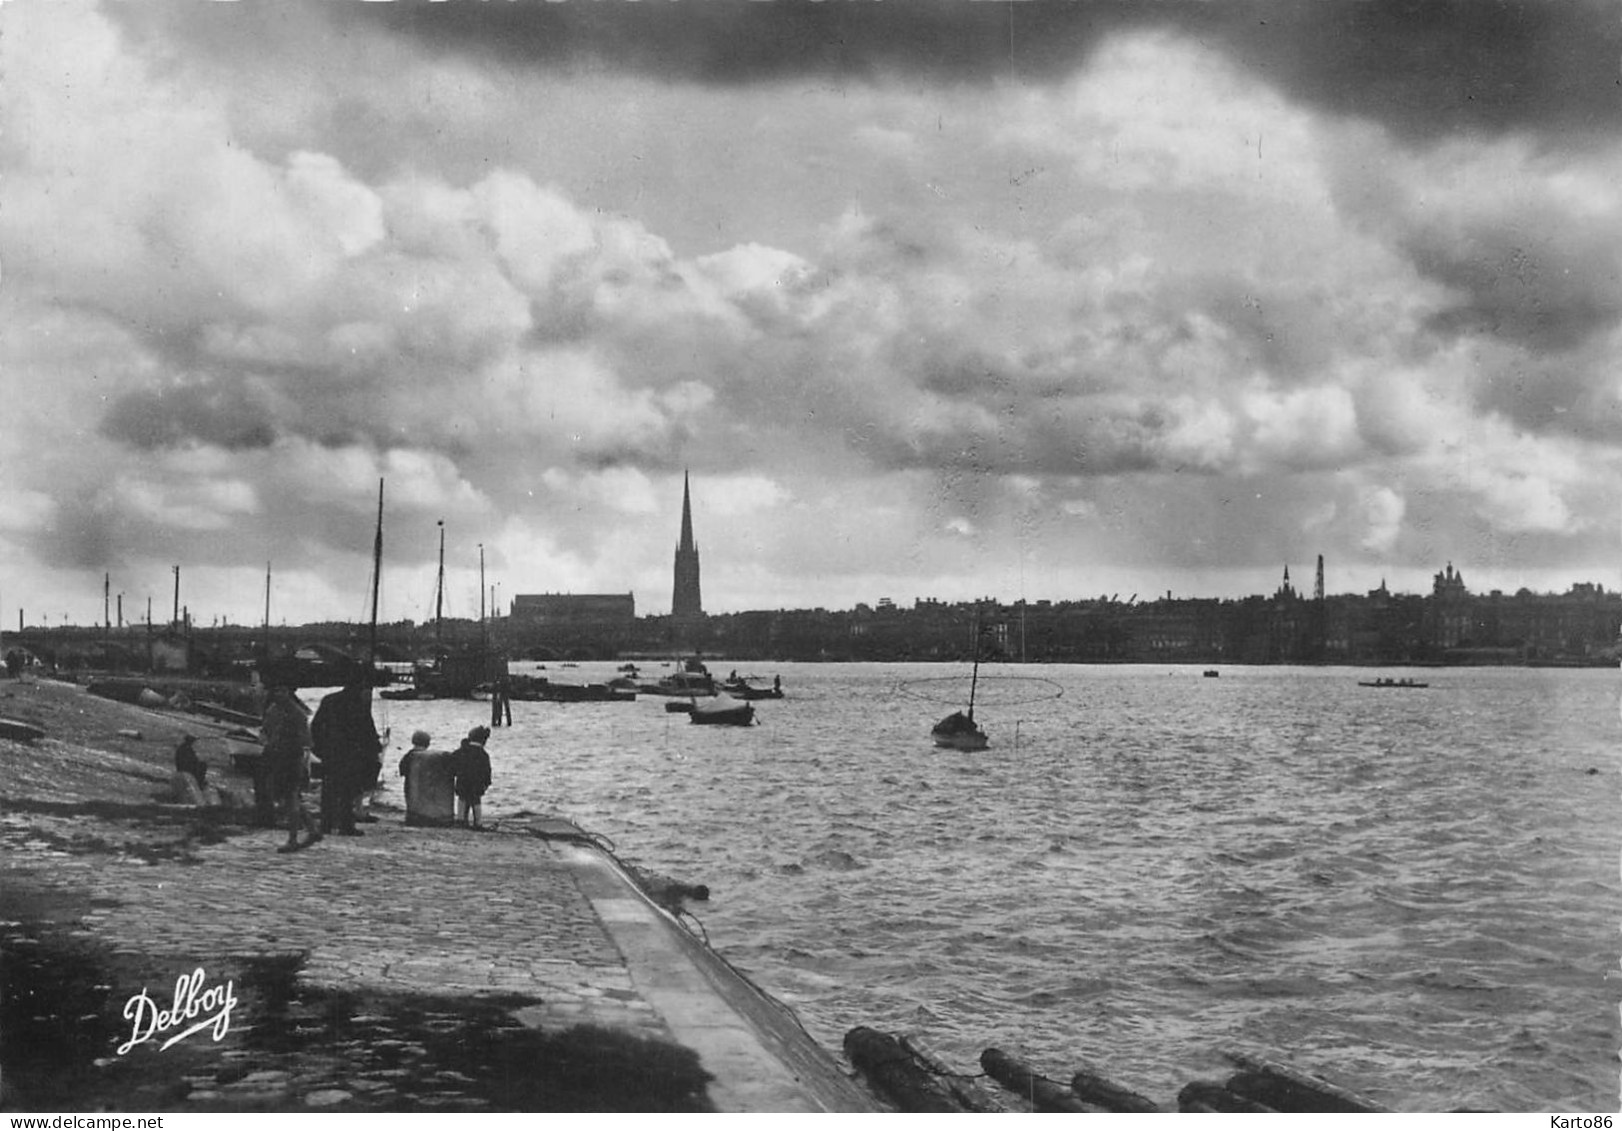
{"x": 190, "y": 1001}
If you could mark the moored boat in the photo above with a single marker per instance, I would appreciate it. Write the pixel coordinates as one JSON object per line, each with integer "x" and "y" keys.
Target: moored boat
{"x": 743, "y": 689}
{"x": 723, "y": 710}
{"x": 584, "y": 693}
{"x": 685, "y": 684}
{"x": 959, "y": 731}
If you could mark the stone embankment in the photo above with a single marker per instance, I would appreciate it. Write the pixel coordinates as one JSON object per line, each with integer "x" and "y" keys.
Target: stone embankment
{"x": 409, "y": 969}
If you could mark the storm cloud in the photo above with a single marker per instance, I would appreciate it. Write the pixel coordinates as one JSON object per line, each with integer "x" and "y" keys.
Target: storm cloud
{"x": 933, "y": 298}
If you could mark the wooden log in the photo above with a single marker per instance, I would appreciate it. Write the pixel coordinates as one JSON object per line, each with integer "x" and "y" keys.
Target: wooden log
{"x": 1021, "y": 1079}
{"x": 1109, "y": 1095}
{"x": 894, "y": 1073}
{"x": 1208, "y": 1096}
{"x": 965, "y": 1089}
{"x": 1285, "y": 1089}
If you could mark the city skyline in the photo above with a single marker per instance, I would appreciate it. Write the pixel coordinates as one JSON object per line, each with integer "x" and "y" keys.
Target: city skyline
{"x": 165, "y": 614}
{"x": 936, "y": 300}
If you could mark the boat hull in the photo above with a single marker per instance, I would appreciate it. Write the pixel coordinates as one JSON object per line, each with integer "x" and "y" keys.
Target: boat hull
{"x": 731, "y": 713}
{"x": 742, "y": 717}
{"x": 740, "y": 691}
{"x": 964, "y": 740}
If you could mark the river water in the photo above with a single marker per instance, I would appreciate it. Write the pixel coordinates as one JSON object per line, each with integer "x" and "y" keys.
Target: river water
{"x": 1411, "y": 892}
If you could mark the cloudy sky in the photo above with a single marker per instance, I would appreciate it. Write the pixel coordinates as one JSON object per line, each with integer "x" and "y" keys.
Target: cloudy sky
{"x": 933, "y": 298}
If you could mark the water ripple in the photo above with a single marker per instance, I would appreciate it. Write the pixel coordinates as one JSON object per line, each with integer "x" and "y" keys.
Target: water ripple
{"x": 1413, "y": 893}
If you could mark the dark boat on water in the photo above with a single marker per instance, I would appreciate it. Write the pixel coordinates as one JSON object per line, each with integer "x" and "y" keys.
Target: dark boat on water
{"x": 743, "y": 689}
{"x": 545, "y": 691}
{"x": 722, "y": 710}
{"x": 1383, "y": 682}
{"x": 959, "y": 731}
{"x": 684, "y": 684}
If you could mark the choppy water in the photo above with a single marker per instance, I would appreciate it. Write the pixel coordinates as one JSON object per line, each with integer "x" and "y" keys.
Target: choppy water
{"x": 1411, "y": 892}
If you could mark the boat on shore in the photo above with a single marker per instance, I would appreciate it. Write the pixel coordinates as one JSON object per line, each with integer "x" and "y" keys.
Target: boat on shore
{"x": 20, "y": 731}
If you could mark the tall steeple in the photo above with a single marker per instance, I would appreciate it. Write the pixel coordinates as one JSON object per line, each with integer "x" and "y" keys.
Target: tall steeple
{"x": 684, "y": 599}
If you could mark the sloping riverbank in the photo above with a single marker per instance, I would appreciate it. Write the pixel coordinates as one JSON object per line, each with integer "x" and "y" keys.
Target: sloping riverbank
{"x": 406, "y": 970}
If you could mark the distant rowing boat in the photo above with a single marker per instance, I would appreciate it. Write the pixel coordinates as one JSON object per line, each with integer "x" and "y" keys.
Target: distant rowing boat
{"x": 1391, "y": 683}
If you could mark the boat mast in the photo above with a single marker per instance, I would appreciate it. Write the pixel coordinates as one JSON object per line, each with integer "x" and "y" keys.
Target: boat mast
{"x": 439, "y": 591}
{"x": 484, "y": 629}
{"x": 265, "y": 647}
{"x": 377, "y": 577}
{"x": 974, "y": 678}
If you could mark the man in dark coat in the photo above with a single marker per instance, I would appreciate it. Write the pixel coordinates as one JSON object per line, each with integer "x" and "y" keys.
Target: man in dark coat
{"x": 344, "y": 737}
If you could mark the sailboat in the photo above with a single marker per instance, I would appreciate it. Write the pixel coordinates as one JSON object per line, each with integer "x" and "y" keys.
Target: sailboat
{"x": 959, "y": 731}
{"x": 465, "y": 673}
{"x": 321, "y": 665}
{"x": 425, "y": 682}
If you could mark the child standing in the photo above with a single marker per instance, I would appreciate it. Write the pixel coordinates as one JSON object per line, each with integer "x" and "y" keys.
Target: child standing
{"x": 472, "y": 776}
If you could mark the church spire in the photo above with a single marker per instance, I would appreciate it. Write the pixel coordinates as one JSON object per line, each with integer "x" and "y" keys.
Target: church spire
{"x": 685, "y": 600}
{"x": 686, "y": 544}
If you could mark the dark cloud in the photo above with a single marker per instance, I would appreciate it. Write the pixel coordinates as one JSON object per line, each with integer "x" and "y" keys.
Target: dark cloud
{"x": 1569, "y": 393}
{"x": 1426, "y": 68}
{"x": 1422, "y": 67}
{"x": 222, "y": 415}
{"x": 1521, "y": 285}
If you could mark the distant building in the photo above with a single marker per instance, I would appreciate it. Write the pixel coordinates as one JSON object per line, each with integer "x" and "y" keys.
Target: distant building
{"x": 685, "y": 600}
{"x": 573, "y": 610}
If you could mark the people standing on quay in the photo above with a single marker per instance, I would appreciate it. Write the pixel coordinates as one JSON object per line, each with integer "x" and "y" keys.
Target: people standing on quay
{"x": 286, "y": 732}
{"x": 472, "y": 776}
{"x": 347, "y": 743}
{"x": 429, "y": 783}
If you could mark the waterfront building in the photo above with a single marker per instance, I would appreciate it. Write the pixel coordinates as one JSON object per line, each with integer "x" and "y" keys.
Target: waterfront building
{"x": 573, "y": 610}
{"x": 557, "y": 625}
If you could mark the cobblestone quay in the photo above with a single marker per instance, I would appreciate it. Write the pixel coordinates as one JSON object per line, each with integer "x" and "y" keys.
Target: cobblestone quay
{"x": 409, "y": 969}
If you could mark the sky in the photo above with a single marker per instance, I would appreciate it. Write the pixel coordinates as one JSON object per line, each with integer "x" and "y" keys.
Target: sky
{"x": 931, "y": 299}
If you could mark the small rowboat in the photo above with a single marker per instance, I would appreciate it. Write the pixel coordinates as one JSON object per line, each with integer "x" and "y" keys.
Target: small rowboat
{"x": 723, "y": 710}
